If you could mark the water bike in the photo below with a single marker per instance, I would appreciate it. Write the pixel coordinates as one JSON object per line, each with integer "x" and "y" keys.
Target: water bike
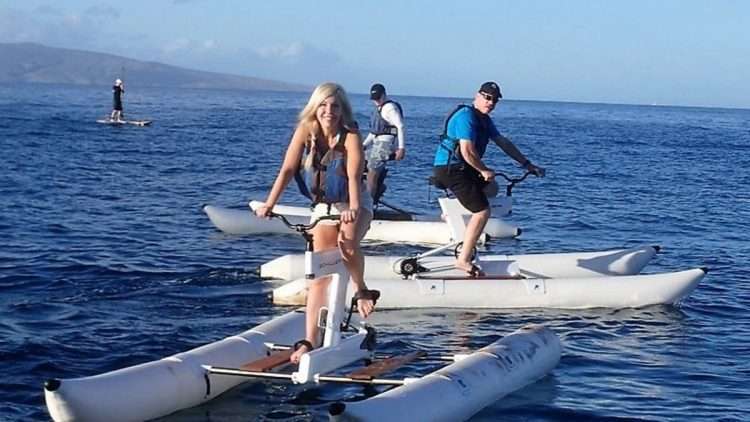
{"x": 389, "y": 225}
{"x": 465, "y": 386}
{"x": 607, "y": 279}
{"x": 549, "y": 265}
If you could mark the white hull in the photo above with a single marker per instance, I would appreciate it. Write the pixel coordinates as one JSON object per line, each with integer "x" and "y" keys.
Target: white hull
{"x": 158, "y": 388}
{"x": 562, "y": 293}
{"x": 235, "y": 221}
{"x": 462, "y": 389}
{"x": 553, "y": 265}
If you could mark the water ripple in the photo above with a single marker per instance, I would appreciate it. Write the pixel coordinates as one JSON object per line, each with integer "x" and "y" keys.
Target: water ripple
{"x": 108, "y": 260}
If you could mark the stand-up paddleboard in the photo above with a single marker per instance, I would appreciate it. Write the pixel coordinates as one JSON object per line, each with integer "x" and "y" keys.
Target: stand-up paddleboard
{"x": 124, "y": 122}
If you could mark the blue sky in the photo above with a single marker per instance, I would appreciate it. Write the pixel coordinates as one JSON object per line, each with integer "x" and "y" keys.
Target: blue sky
{"x": 679, "y": 52}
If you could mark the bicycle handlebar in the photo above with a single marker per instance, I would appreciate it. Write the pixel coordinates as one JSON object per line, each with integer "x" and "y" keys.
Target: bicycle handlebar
{"x": 512, "y": 181}
{"x": 303, "y": 228}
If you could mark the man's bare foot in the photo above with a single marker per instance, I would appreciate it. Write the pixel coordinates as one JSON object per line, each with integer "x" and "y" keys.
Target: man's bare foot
{"x": 471, "y": 269}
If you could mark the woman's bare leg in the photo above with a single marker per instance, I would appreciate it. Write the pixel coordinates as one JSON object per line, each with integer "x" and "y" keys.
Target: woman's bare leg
{"x": 324, "y": 237}
{"x": 349, "y": 241}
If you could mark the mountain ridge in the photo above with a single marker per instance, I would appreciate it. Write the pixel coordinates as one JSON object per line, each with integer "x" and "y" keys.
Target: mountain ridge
{"x": 37, "y": 63}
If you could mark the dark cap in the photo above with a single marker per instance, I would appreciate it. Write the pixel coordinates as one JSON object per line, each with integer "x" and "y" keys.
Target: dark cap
{"x": 492, "y": 89}
{"x": 377, "y": 91}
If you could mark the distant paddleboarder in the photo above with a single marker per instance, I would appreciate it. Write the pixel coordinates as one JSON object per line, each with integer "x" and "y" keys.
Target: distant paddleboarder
{"x": 117, "y": 90}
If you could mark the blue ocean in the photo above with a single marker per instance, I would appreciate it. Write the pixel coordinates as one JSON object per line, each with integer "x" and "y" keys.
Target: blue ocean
{"x": 108, "y": 261}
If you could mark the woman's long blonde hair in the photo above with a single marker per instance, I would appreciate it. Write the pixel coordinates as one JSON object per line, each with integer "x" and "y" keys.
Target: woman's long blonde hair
{"x": 321, "y": 92}
{"x": 307, "y": 117}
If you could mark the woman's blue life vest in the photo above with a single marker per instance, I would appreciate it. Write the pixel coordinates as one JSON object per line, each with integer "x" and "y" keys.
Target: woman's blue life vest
{"x": 449, "y": 151}
{"x": 322, "y": 174}
{"x": 379, "y": 126}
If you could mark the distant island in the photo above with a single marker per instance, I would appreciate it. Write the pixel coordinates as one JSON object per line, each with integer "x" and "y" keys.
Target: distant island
{"x": 29, "y": 62}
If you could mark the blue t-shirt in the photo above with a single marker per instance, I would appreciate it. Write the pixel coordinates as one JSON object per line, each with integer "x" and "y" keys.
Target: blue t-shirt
{"x": 465, "y": 124}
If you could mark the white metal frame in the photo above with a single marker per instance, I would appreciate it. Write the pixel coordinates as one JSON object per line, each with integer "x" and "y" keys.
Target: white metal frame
{"x": 337, "y": 350}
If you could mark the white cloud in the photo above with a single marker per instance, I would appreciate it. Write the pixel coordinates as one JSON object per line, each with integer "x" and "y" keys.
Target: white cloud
{"x": 286, "y": 52}
{"x": 295, "y": 61}
{"x": 176, "y": 46}
{"x": 101, "y": 11}
{"x": 186, "y": 47}
{"x": 50, "y": 26}
{"x": 48, "y": 10}
{"x": 72, "y": 21}
{"x": 16, "y": 26}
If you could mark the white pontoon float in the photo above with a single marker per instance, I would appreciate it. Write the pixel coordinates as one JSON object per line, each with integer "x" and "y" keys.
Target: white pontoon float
{"x": 400, "y": 226}
{"x": 430, "y": 230}
{"x": 554, "y": 265}
{"x": 158, "y": 388}
{"x": 462, "y": 389}
{"x": 495, "y": 291}
{"x": 566, "y": 281}
{"x": 550, "y": 265}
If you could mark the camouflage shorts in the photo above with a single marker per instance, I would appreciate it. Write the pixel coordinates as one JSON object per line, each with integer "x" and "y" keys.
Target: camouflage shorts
{"x": 378, "y": 153}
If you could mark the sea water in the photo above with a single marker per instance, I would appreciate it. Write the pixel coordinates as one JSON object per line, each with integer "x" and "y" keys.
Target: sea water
{"x": 107, "y": 260}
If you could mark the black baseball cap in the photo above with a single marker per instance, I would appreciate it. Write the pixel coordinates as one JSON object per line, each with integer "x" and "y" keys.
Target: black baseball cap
{"x": 492, "y": 89}
{"x": 376, "y": 91}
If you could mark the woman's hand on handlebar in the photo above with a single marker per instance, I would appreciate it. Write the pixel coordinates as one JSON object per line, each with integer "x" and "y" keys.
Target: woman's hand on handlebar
{"x": 264, "y": 211}
{"x": 366, "y": 300}
{"x": 365, "y": 307}
{"x": 349, "y": 216}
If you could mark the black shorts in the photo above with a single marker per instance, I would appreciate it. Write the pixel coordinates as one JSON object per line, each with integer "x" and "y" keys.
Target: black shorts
{"x": 466, "y": 183}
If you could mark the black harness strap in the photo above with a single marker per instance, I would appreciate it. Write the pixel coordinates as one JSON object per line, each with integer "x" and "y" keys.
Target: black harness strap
{"x": 456, "y": 150}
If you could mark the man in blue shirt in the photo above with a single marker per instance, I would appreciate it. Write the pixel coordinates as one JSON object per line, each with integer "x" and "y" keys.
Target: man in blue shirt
{"x": 458, "y": 164}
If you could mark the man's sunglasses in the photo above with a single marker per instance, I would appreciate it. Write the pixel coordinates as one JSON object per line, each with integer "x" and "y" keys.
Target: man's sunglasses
{"x": 489, "y": 97}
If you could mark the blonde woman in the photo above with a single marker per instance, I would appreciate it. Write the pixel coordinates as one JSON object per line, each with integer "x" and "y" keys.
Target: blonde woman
{"x": 327, "y": 133}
